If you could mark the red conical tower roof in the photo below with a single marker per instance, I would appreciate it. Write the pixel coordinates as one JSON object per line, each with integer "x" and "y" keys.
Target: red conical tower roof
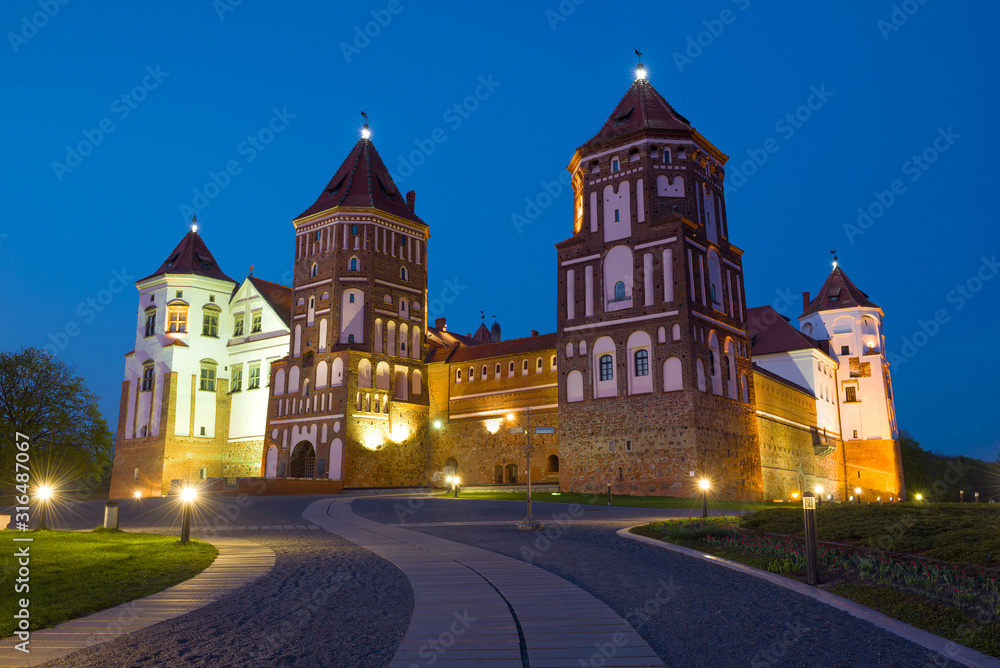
{"x": 641, "y": 108}
{"x": 838, "y": 292}
{"x": 363, "y": 182}
{"x": 191, "y": 256}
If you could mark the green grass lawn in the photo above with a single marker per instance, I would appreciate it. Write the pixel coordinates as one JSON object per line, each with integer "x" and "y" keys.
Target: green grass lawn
{"x": 958, "y": 532}
{"x": 693, "y": 503}
{"x": 75, "y": 574}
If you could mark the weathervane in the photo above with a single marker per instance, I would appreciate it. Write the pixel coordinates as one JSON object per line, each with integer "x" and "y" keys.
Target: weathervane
{"x": 194, "y": 223}
{"x": 640, "y": 69}
{"x": 365, "y": 130}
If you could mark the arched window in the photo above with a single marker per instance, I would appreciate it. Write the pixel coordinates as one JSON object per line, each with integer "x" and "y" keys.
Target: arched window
{"x": 641, "y": 363}
{"x": 661, "y": 335}
{"x": 510, "y": 369}
{"x": 496, "y": 370}
{"x": 484, "y": 372}
{"x": 524, "y": 367}
{"x": 673, "y": 378}
{"x": 574, "y": 386}
{"x": 279, "y": 382}
{"x": 458, "y": 375}
{"x": 350, "y": 338}
{"x": 700, "y": 368}
{"x": 675, "y": 332}
{"x": 402, "y": 273}
{"x": 400, "y": 385}
{"x": 538, "y": 365}
{"x": 364, "y": 373}
{"x": 607, "y": 367}
{"x": 620, "y": 290}
{"x": 552, "y": 363}
{"x": 583, "y": 347}
{"x": 417, "y": 382}
{"x": 569, "y": 349}
{"x": 382, "y": 376}
{"x": 472, "y": 373}
{"x": 354, "y": 264}
{"x": 552, "y": 464}
{"x": 313, "y": 270}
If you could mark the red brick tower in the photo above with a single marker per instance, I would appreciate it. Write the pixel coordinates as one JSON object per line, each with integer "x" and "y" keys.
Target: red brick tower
{"x": 350, "y": 401}
{"x": 655, "y": 376}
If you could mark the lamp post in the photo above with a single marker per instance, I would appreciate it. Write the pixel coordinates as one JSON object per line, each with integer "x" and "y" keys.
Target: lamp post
{"x": 188, "y": 495}
{"x": 857, "y": 494}
{"x": 529, "y": 523}
{"x": 977, "y": 497}
{"x": 43, "y": 495}
{"x": 454, "y": 484}
{"x": 812, "y": 554}
{"x": 704, "y": 484}
{"x": 920, "y": 497}
{"x": 961, "y": 496}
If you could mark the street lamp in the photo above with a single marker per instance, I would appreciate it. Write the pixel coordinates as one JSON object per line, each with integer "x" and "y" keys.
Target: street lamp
{"x": 920, "y": 497}
{"x": 529, "y": 523}
{"x": 704, "y": 484}
{"x": 43, "y": 494}
{"x": 188, "y": 495}
{"x": 137, "y": 494}
{"x": 857, "y": 491}
{"x": 454, "y": 485}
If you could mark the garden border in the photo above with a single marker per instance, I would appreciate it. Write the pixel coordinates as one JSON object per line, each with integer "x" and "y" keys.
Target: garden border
{"x": 952, "y": 650}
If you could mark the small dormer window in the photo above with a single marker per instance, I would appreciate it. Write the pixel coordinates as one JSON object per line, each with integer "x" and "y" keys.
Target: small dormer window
{"x": 624, "y": 118}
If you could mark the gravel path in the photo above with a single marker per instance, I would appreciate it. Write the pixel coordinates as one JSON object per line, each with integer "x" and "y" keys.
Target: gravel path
{"x": 691, "y": 613}
{"x": 327, "y": 602}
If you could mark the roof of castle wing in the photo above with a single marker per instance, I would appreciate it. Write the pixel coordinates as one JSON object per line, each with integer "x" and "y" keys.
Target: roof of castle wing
{"x": 838, "y": 292}
{"x": 191, "y": 256}
{"x": 363, "y": 182}
{"x": 279, "y": 297}
{"x": 770, "y": 332}
{"x": 642, "y": 108}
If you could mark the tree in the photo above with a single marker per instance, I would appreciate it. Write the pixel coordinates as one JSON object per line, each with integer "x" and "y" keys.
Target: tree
{"x": 42, "y": 398}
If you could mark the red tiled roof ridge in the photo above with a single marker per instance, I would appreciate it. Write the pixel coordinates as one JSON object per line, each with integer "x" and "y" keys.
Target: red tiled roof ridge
{"x": 777, "y": 336}
{"x": 187, "y": 257}
{"x": 838, "y": 279}
{"x": 644, "y": 94}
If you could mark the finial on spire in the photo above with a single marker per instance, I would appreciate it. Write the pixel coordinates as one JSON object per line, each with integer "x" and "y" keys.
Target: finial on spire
{"x": 366, "y": 131}
{"x": 834, "y": 253}
{"x": 640, "y": 69}
{"x": 482, "y": 315}
{"x": 251, "y": 271}
{"x": 194, "y": 223}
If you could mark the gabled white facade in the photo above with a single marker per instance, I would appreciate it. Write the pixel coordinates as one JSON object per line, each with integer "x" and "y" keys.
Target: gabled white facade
{"x": 208, "y": 309}
{"x": 864, "y": 388}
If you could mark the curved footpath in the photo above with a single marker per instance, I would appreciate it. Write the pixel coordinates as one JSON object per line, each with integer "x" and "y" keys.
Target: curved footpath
{"x": 475, "y": 607}
{"x": 238, "y": 563}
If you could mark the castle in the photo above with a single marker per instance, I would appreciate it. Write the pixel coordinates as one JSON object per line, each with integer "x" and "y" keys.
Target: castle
{"x": 657, "y": 374}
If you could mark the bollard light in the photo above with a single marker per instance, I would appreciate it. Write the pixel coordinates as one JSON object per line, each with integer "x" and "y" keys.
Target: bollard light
{"x": 609, "y": 493}
{"x": 704, "y": 484}
{"x": 857, "y": 492}
{"x": 43, "y": 494}
{"x": 188, "y": 496}
{"x": 455, "y": 481}
{"x": 812, "y": 549}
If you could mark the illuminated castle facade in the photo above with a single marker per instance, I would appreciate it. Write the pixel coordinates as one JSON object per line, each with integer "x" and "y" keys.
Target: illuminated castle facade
{"x": 657, "y": 374}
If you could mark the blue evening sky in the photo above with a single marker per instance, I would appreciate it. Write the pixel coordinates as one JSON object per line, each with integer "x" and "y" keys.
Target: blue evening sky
{"x": 210, "y": 75}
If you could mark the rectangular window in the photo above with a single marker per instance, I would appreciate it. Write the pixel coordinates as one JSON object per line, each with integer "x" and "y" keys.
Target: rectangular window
{"x": 852, "y": 393}
{"x": 203, "y": 474}
{"x": 178, "y": 321}
{"x": 136, "y": 475}
{"x": 628, "y": 446}
{"x": 618, "y": 215}
{"x": 211, "y": 298}
{"x": 607, "y": 367}
{"x": 180, "y": 294}
{"x": 845, "y": 350}
{"x": 255, "y": 322}
{"x": 210, "y": 324}
{"x": 354, "y": 230}
{"x": 253, "y": 382}
{"x": 237, "y": 378}
{"x": 150, "y": 323}
{"x": 208, "y": 378}
{"x": 202, "y": 431}
{"x": 614, "y": 165}
{"x": 238, "y": 322}
{"x": 147, "y": 378}
{"x": 641, "y": 363}
{"x": 855, "y": 433}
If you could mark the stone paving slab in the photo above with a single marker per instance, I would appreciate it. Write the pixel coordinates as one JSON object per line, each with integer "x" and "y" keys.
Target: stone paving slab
{"x": 239, "y": 561}
{"x": 463, "y": 597}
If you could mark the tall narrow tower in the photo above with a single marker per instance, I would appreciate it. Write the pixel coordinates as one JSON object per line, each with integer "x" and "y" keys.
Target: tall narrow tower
{"x": 350, "y": 401}
{"x": 851, "y": 324}
{"x": 656, "y": 387}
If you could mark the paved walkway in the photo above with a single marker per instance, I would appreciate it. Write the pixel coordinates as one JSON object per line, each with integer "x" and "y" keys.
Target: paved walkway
{"x": 238, "y": 563}
{"x": 472, "y": 606}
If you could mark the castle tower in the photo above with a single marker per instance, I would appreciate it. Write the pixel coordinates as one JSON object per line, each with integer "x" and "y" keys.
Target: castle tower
{"x": 655, "y": 376}
{"x": 851, "y": 325}
{"x": 173, "y": 421}
{"x": 350, "y": 400}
